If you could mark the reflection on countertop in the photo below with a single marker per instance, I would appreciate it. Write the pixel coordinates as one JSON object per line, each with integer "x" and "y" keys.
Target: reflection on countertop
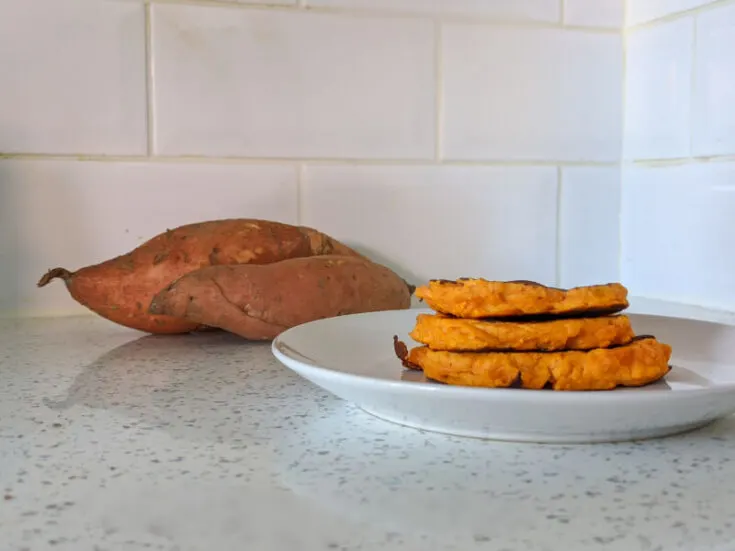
{"x": 113, "y": 440}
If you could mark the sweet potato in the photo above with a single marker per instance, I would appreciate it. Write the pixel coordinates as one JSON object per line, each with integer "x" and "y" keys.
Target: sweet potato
{"x": 259, "y": 302}
{"x": 121, "y": 289}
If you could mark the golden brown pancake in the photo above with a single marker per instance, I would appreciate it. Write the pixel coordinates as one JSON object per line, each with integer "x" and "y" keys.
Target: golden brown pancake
{"x": 480, "y": 298}
{"x": 643, "y": 361}
{"x": 440, "y": 332}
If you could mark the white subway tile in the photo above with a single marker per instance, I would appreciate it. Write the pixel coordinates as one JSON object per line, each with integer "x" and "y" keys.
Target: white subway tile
{"x": 713, "y": 115}
{"x": 589, "y": 226}
{"x": 505, "y": 10}
{"x": 73, "y": 77}
{"x": 594, "y": 13}
{"x": 658, "y": 91}
{"x": 531, "y": 94}
{"x": 273, "y": 84}
{"x": 71, "y": 214}
{"x": 640, "y": 11}
{"x": 677, "y": 233}
{"x": 441, "y": 222}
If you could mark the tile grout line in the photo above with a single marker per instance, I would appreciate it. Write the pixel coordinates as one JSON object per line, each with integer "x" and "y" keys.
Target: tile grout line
{"x": 679, "y": 15}
{"x": 476, "y": 19}
{"x": 150, "y": 129}
{"x": 692, "y": 86}
{"x": 562, "y": 12}
{"x": 678, "y": 161}
{"x": 620, "y": 227}
{"x": 439, "y": 91}
{"x": 294, "y": 160}
{"x": 559, "y": 185}
{"x": 623, "y": 130}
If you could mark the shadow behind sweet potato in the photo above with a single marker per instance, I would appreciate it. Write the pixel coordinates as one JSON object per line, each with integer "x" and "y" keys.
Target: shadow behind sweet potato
{"x": 260, "y": 301}
{"x": 121, "y": 289}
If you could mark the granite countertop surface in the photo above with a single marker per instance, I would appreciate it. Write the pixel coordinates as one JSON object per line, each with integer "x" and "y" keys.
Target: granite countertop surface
{"x": 113, "y": 440}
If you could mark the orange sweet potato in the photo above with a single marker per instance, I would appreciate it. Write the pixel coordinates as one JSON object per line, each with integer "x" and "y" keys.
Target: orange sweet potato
{"x": 121, "y": 288}
{"x": 259, "y": 302}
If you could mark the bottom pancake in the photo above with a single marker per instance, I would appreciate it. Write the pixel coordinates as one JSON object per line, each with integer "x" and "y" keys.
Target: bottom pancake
{"x": 643, "y": 361}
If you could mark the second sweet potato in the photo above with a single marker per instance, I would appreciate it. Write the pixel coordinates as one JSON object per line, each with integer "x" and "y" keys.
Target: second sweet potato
{"x": 259, "y": 302}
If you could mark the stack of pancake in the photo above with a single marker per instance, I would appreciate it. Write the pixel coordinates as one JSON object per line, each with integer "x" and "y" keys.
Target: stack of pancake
{"x": 525, "y": 335}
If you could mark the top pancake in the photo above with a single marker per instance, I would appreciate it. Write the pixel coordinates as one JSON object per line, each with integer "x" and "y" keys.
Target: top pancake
{"x": 480, "y": 298}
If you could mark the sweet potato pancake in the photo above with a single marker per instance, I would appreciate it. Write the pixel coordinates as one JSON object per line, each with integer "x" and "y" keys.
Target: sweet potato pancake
{"x": 643, "y": 361}
{"x": 480, "y": 298}
{"x": 440, "y": 332}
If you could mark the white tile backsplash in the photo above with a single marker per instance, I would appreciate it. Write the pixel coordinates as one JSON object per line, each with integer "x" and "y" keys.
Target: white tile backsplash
{"x": 73, "y": 77}
{"x": 265, "y": 83}
{"x": 678, "y": 233}
{"x": 677, "y": 219}
{"x": 640, "y": 11}
{"x": 713, "y": 115}
{"x": 108, "y": 208}
{"x": 531, "y": 94}
{"x": 515, "y": 10}
{"x": 589, "y": 226}
{"x": 430, "y": 133}
{"x": 594, "y": 13}
{"x": 441, "y": 222}
{"x": 658, "y": 91}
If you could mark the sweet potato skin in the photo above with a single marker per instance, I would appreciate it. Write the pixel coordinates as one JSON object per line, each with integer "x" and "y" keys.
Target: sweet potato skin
{"x": 259, "y": 302}
{"x": 121, "y": 289}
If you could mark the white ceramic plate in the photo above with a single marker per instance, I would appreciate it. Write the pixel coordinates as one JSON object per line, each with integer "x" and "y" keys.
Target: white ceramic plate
{"x": 352, "y": 357}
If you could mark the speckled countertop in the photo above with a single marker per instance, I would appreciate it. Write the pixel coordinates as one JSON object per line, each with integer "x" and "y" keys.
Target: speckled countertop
{"x": 110, "y": 440}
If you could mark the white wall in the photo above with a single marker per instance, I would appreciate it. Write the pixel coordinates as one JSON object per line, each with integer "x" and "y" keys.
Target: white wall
{"x": 678, "y": 207}
{"x": 446, "y": 137}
